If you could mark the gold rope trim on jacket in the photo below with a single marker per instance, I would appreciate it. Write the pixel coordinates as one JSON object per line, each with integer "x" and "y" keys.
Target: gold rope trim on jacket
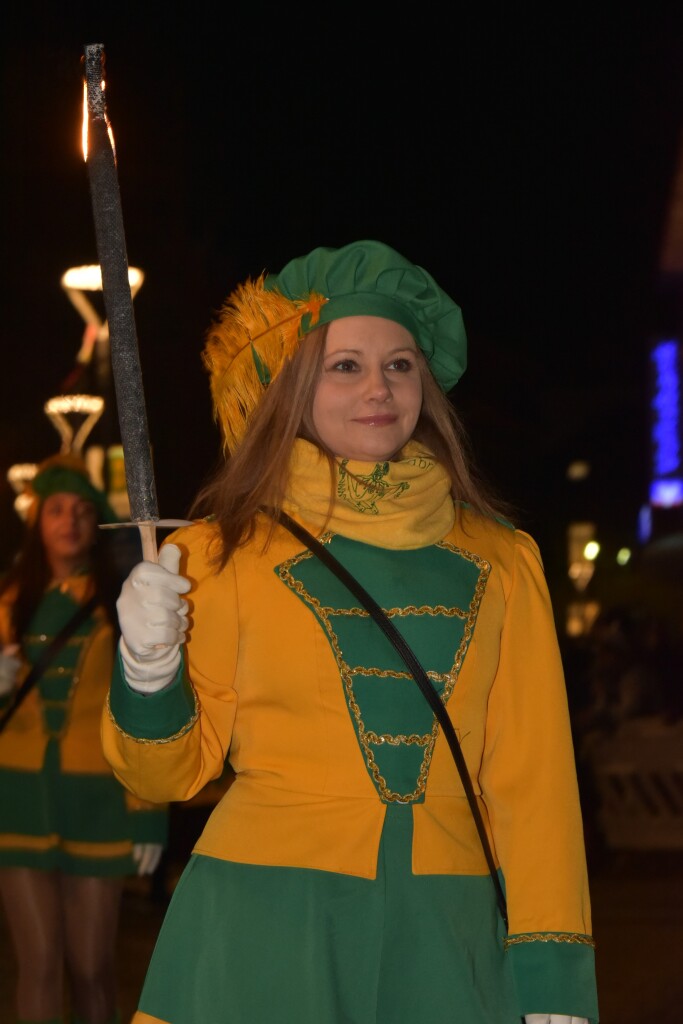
{"x": 574, "y": 938}
{"x": 409, "y": 609}
{"x": 369, "y": 739}
{"x": 85, "y": 642}
{"x": 166, "y": 739}
{"x": 401, "y": 738}
{"x": 37, "y": 639}
{"x": 390, "y": 673}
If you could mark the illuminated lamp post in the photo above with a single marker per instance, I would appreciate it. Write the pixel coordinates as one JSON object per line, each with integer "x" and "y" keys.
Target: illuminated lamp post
{"x": 77, "y": 282}
{"x": 18, "y": 475}
{"x": 63, "y": 412}
{"x": 582, "y": 550}
{"x": 59, "y": 408}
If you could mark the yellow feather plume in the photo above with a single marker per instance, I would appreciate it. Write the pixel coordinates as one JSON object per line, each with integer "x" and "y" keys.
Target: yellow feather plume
{"x": 255, "y": 332}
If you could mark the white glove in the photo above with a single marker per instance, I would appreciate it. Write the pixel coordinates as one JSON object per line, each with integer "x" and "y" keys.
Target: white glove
{"x": 147, "y": 857}
{"x": 10, "y": 665}
{"x": 153, "y": 620}
{"x": 553, "y": 1018}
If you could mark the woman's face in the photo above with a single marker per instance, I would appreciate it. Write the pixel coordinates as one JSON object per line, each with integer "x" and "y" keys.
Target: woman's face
{"x": 369, "y": 394}
{"x": 68, "y": 525}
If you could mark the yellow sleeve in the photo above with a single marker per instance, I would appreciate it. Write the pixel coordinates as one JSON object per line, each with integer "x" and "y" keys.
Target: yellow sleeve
{"x": 528, "y": 773}
{"x": 168, "y": 745}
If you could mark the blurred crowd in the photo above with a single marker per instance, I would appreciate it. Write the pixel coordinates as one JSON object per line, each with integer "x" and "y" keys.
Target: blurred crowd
{"x": 629, "y": 666}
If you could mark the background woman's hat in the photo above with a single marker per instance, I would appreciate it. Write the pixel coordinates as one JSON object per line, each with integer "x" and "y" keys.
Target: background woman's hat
{"x": 68, "y": 474}
{"x": 262, "y": 321}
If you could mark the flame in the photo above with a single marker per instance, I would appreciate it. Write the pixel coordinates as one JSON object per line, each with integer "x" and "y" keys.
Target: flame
{"x": 110, "y": 133}
{"x": 84, "y": 124}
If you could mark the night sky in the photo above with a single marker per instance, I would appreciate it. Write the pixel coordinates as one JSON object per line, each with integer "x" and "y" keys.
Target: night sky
{"x": 526, "y": 163}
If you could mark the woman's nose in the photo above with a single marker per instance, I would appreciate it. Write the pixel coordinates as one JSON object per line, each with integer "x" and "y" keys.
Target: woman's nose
{"x": 379, "y": 388}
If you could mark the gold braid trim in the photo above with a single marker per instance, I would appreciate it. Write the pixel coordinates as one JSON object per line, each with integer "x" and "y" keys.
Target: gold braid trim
{"x": 166, "y": 739}
{"x": 574, "y": 938}
{"x": 366, "y": 738}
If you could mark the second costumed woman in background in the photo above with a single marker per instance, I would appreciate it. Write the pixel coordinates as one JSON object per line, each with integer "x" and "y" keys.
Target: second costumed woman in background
{"x": 69, "y": 832}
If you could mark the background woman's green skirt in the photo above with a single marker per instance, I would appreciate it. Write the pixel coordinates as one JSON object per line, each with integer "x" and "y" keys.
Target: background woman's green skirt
{"x": 78, "y": 824}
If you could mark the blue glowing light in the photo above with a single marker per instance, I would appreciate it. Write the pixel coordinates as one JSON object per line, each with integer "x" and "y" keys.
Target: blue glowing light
{"x": 666, "y": 493}
{"x": 644, "y": 524}
{"x": 666, "y": 489}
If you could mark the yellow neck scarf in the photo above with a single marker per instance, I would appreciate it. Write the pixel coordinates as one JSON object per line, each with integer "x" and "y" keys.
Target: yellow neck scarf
{"x": 401, "y": 505}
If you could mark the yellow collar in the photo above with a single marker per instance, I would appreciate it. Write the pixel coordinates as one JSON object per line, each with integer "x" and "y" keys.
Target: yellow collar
{"x": 79, "y": 585}
{"x": 402, "y": 504}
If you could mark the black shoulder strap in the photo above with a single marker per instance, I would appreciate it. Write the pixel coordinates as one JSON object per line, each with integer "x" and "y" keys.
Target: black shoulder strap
{"x": 46, "y": 657}
{"x": 421, "y": 678}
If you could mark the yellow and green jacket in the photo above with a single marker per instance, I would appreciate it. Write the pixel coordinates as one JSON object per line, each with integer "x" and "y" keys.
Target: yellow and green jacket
{"x": 279, "y": 674}
{"x": 51, "y": 753}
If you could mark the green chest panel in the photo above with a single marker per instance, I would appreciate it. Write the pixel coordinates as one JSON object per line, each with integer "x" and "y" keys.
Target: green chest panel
{"x": 56, "y": 684}
{"x": 432, "y": 596}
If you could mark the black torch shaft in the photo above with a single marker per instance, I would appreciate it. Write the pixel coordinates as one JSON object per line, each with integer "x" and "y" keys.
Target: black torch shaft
{"x": 118, "y": 302}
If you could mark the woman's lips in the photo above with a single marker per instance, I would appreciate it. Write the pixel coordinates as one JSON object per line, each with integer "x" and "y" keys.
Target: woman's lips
{"x": 376, "y": 421}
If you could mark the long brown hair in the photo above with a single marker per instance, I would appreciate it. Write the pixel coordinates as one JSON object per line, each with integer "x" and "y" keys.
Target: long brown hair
{"x": 30, "y": 574}
{"x": 254, "y": 476}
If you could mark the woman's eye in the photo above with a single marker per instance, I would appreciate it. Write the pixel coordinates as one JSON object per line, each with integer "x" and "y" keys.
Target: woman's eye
{"x": 402, "y": 364}
{"x": 345, "y": 365}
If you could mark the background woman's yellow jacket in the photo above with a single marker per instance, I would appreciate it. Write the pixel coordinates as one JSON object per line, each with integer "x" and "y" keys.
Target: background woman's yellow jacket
{"x": 60, "y": 805}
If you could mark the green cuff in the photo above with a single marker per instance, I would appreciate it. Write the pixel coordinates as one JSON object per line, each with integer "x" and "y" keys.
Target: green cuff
{"x": 155, "y": 716}
{"x": 554, "y": 975}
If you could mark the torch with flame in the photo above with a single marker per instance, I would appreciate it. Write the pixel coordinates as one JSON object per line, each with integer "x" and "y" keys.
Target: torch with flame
{"x": 98, "y": 147}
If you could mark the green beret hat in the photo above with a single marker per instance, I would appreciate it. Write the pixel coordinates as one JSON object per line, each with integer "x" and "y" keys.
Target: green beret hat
{"x": 263, "y": 321}
{"x": 68, "y": 474}
{"x": 369, "y": 278}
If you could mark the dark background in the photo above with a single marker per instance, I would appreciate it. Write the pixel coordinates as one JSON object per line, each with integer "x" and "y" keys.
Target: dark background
{"x": 526, "y": 161}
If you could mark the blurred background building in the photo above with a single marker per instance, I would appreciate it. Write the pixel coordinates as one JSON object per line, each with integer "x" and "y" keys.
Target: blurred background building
{"x": 638, "y": 564}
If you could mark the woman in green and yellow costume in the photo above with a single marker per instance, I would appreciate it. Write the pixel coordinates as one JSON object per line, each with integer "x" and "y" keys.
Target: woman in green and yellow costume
{"x": 69, "y": 832}
{"x": 341, "y": 879}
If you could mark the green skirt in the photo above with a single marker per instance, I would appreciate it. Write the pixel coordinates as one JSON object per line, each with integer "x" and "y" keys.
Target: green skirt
{"x": 51, "y": 819}
{"x": 245, "y": 944}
